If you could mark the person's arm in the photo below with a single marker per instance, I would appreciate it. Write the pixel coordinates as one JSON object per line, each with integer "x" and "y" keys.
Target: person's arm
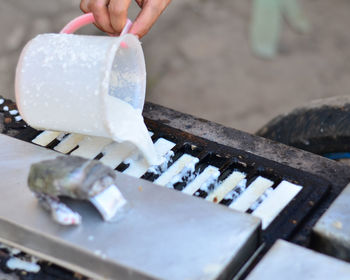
{"x": 111, "y": 15}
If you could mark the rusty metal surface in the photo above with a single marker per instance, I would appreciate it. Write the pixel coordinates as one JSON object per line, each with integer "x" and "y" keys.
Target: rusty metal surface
{"x": 164, "y": 235}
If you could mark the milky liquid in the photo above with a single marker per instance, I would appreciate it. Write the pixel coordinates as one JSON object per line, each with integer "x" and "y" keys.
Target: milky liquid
{"x": 127, "y": 124}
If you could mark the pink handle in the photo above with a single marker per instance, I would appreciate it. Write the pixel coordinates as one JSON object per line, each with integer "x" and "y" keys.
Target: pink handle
{"x": 86, "y": 19}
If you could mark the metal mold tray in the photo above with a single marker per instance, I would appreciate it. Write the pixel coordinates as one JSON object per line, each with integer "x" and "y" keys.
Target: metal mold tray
{"x": 228, "y": 159}
{"x": 227, "y": 149}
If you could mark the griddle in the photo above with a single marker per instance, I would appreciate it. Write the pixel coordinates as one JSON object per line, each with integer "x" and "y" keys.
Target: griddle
{"x": 229, "y": 149}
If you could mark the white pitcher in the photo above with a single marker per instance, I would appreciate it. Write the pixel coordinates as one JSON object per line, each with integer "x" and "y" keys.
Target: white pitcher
{"x": 63, "y": 80}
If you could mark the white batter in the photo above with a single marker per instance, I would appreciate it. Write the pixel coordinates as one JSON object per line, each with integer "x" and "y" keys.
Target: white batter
{"x": 275, "y": 202}
{"x": 203, "y": 180}
{"x": 183, "y": 167}
{"x": 29, "y": 266}
{"x": 225, "y": 187}
{"x": 126, "y": 124}
{"x": 251, "y": 194}
{"x": 139, "y": 167}
{"x": 45, "y": 138}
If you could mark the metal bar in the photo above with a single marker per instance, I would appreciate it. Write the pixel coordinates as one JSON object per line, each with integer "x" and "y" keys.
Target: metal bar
{"x": 289, "y": 262}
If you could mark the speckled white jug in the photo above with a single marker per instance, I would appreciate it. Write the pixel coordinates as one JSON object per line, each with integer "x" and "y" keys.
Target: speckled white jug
{"x": 62, "y": 80}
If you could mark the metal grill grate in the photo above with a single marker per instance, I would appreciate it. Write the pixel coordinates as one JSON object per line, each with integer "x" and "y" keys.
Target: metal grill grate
{"x": 281, "y": 196}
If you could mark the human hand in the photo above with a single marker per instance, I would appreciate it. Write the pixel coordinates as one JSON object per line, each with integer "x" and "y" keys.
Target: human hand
{"x": 111, "y": 15}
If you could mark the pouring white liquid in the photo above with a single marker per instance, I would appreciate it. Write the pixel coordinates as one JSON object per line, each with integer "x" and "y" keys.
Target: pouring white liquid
{"x": 88, "y": 85}
{"x": 127, "y": 124}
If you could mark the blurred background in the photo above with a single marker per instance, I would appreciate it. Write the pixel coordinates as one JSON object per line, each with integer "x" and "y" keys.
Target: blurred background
{"x": 199, "y": 56}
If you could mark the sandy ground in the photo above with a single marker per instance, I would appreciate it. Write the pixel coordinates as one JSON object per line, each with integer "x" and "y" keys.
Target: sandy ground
{"x": 199, "y": 59}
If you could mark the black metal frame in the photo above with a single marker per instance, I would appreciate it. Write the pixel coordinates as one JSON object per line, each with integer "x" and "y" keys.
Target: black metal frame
{"x": 228, "y": 159}
{"x": 314, "y": 187}
{"x": 228, "y": 149}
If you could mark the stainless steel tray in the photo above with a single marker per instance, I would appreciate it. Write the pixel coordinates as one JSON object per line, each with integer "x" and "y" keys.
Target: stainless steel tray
{"x": 165, "y": 234}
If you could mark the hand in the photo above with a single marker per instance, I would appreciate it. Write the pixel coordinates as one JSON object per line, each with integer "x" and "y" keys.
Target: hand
{"x": 111, "y": 15}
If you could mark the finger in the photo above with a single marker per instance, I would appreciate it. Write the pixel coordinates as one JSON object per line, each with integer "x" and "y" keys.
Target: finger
{"x": 150, "y": 12}
{"x": 140, "y": 3}
{"x": 101, "y": 15}
{"x": 118, "y": 13}
{"x": 84, "y": 6}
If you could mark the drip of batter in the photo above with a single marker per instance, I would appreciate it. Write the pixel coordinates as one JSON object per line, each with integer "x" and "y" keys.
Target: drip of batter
{"x": 126, "y": 124}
